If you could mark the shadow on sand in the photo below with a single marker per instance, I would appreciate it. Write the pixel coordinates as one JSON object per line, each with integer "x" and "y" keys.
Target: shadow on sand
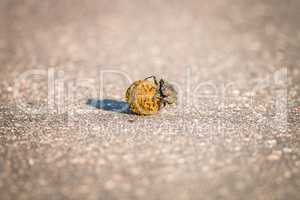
{"x": 109, "y": 105}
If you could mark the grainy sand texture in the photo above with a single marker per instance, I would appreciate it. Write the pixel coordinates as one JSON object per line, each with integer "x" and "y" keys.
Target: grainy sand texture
{"x": 65, "y": 132}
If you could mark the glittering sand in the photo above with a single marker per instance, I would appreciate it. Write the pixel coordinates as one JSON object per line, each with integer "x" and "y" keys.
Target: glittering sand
{"x": 65, "y": 132}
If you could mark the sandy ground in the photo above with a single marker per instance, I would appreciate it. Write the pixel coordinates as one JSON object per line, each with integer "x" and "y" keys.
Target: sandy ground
{"x": 65, "y": 66}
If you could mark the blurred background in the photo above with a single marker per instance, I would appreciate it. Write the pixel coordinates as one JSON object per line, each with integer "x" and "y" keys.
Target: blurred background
{"x": 228, "y": 42}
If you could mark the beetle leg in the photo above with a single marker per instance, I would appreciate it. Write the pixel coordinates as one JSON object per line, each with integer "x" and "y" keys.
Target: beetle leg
{"x": 162, "y": 104}
{"x": 154, "y": 79}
